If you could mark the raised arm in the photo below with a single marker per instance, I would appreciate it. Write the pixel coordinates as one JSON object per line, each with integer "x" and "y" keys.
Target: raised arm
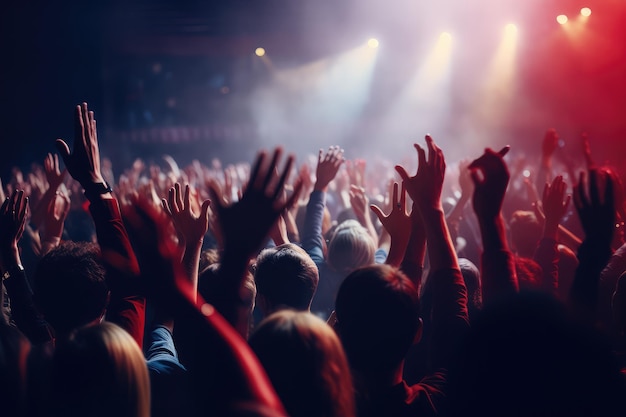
{"x": 190, "y": 227}
{"x": 449, "y": 303}
{"x": 491, "y": 178}
{"x": 547, "y": 254}
{"x": 327, "y": 167}
{"x": 397, "y": 224}
{"x": 245, "y": 225}
{"x": 597, "y": 216}
{"x": 127, "y": 303}
{"x": 225, "y": 375}
{"x": 23, "y": 310}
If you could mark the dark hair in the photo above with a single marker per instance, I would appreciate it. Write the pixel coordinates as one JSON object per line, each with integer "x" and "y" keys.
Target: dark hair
{"x": 70, "y": 286}
{"x": 378, "y": 312}
{"x": 525, "y": 232}
{"x": 287, "y": 276}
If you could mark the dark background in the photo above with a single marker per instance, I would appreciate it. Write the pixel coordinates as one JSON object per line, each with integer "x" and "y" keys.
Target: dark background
{"x": 147, "y": 66}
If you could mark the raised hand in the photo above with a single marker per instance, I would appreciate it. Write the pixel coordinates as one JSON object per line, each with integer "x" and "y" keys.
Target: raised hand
{"x": 491, "y": 178}
{"x": 54, "y": 176}
{"x": 356, "y": 172}
{"x": 12, "y": 221}
{"x": 554, "y": 205}
{"x": 397, "y": 223}
{"x": 327, "y": 167}
{"x": 587, "y": 150}
{"x": 549, "y": 144}
{"x": 55, "y": 217}
{"x": 83, "y": 163}
{"x": 425, "y": 186}
{"x": 360, "y": 203}
{"x": 245, "y": 224}
{"x": 597, "y": 214}
{"x": 190, "y": 227}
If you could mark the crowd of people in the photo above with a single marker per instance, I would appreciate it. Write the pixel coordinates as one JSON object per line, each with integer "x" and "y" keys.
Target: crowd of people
{"x": 329, "y": 288}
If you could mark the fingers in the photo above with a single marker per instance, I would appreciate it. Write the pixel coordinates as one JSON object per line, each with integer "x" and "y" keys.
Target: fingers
{"x": 297, "y": 189}
{"x": 421, "y": 156}
{"x": 402, "y": 172}
{"x": 186, "y": 199}
{"x": 178, "y": 200}
{"x": 63, "y": 149}
{"x": 594, "y": 192}
{"x": 269, "y": 172}
{"x": 166, "y": 207}
{"x": 394, "y": 198}
{"x": 403, "y": 197}
{"x": 432, "y": 149}
{"x": 378, "y": 212}
{"x": 204, "y": 210}
{"x": 254, "y": 173}
{"x": 502, "y": 152}
{"x": 283, "y": 178}
{"x": 580, "y": 200}
{"x": 476, "y": 178}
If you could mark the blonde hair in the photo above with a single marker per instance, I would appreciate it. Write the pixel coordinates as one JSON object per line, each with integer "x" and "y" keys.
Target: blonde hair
{"x": 306, "y": 364}
{"x": 100, "y": 371}
{"x": 350, "y": 247}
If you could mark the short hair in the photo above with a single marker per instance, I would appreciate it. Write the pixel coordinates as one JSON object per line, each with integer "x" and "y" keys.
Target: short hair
{"x": 471, "y": 277}
{"x": 306, "y": 364}
{"x": 100, "y": 371}
{"x": 350, "y": 247}
{"x": 286, "y": 275}
{"x": 378, "y": 317}
{"x": 525, "y": 232}
{"x": 70, "y": 286}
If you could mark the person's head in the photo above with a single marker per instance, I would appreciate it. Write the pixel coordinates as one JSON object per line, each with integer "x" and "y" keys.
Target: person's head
{"x": 378, "y": 318}
{"x": 207, "y": 258}
{"x": 286, "y": 277}
{"x": 100, "y": 371}
{"x": 70, "y": 287}
{"x": 350, "y": 247}
{"x": 14, "y": 350}
{"x": 471, "y": 277}
{"x": 209, "y": 284}
{"x": 525, "y": 233}
{"x": 306, "y": 364}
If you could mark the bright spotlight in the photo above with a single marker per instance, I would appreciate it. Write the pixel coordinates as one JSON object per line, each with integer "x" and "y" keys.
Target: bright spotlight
{"x": 373, "y": 43}
{"x": 445, "y": 37}
{"x": 585, "y": 11}
{"x": 259, "y": 51}
{"x": 510, "y": 29}
{"x": 562, "y": 19}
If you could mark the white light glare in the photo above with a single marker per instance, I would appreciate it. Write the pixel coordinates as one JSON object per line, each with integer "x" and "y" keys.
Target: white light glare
{"x": 373, "y": 43}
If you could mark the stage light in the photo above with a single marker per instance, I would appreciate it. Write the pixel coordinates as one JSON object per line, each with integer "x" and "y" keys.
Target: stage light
{"x": 562, "y": 19}
{"x": 445, "y": 37}
{"x": 510, "y": 29}
{"x": 373, "y": 43}
{"x": 259, "y": 51}
{"x": 585, "y": 11}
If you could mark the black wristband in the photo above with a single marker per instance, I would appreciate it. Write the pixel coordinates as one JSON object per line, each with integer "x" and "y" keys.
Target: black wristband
{"x": 96, "y": 189}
